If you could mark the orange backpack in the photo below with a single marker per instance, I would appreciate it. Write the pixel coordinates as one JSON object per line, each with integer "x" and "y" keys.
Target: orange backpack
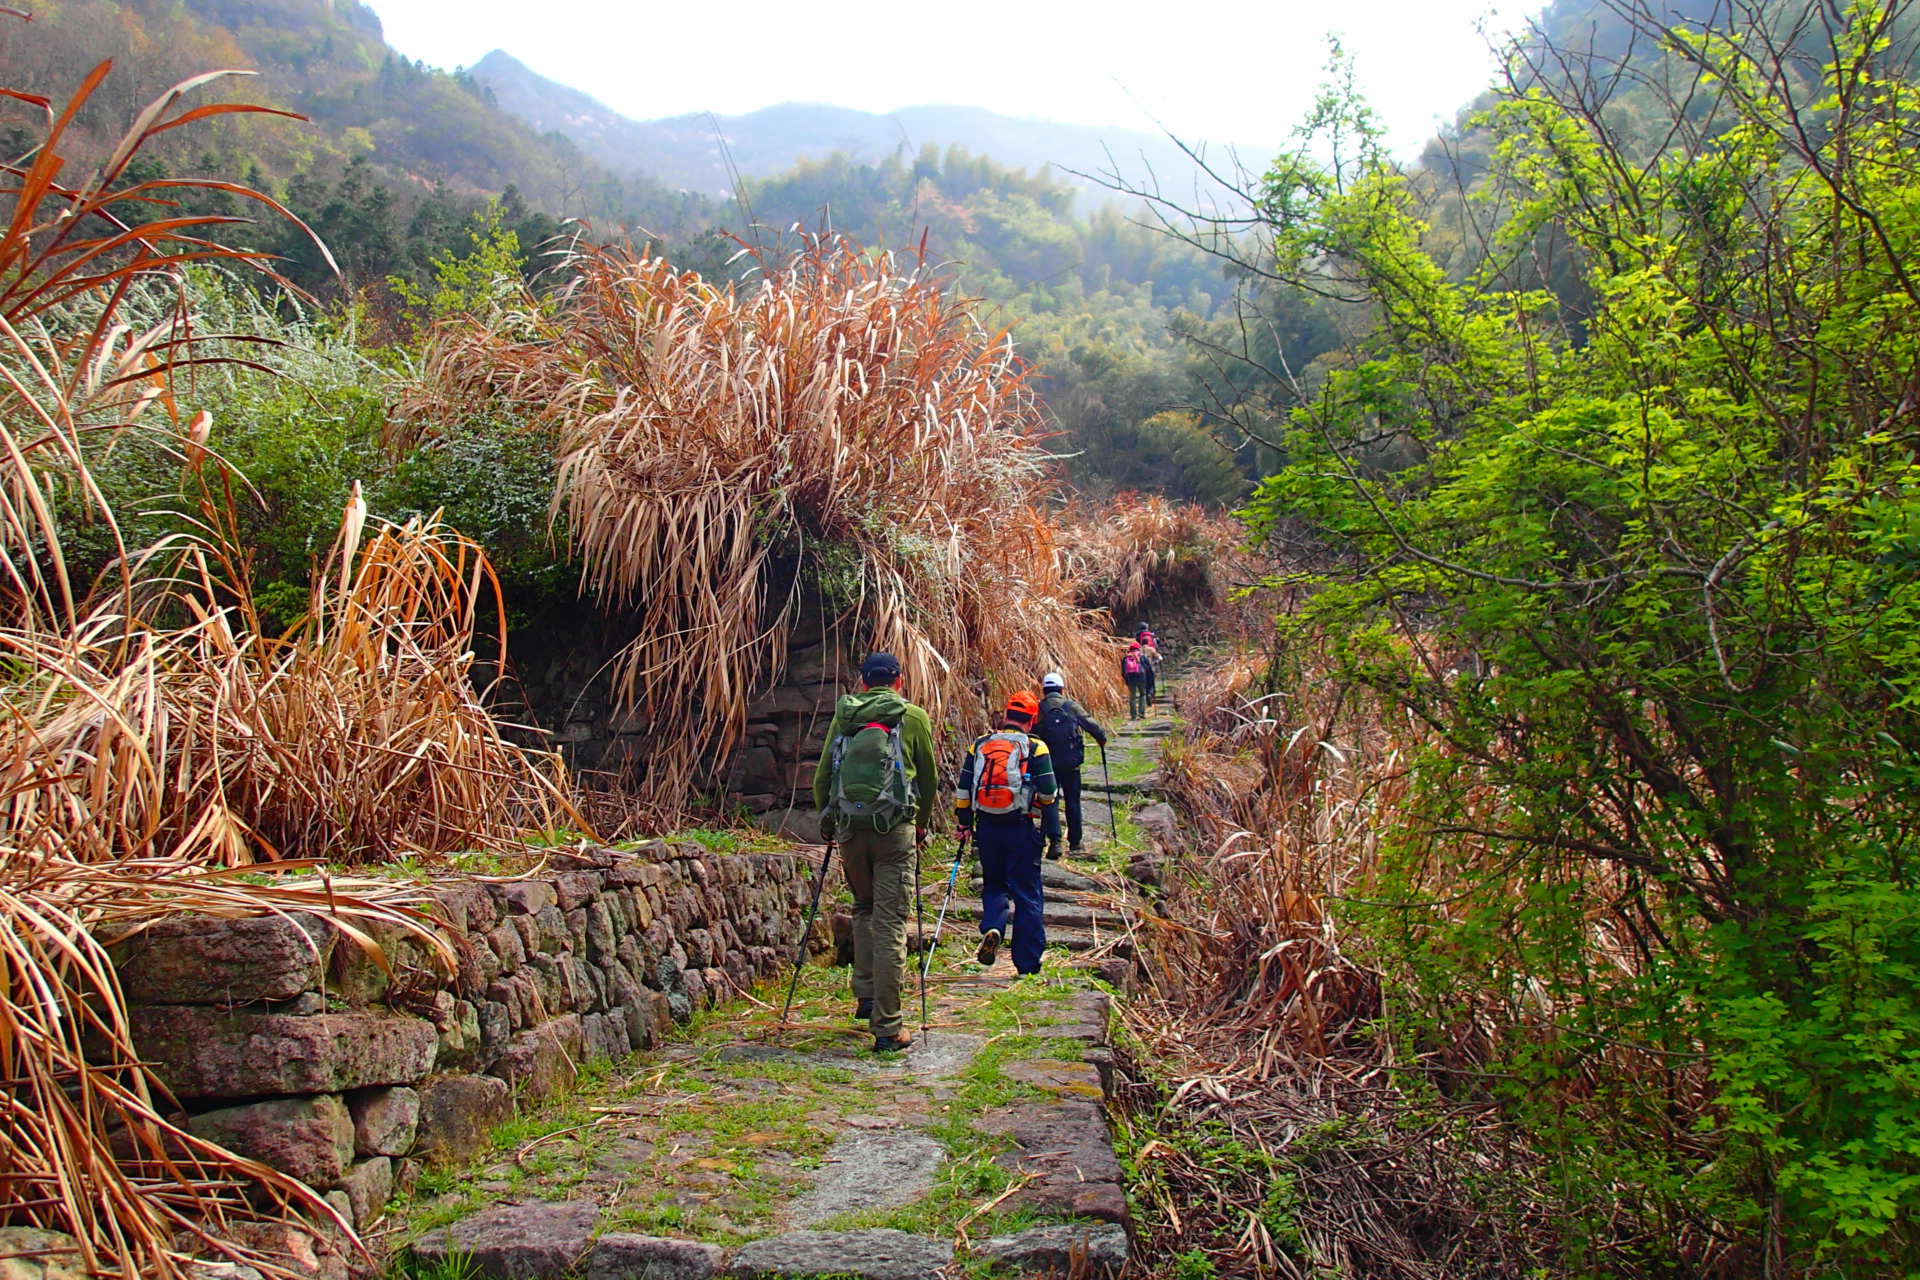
{"x": 1000, "y": 782}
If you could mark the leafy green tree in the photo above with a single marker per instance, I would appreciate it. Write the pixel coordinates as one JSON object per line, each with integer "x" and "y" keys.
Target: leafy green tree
{"x": 1668, "y": 845}
{"x": 476, "y": 280}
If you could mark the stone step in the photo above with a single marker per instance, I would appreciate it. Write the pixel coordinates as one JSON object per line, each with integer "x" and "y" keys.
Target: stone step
{"x": 555, "y": 1241}
{"x": 1053, "y": 877}
{"x": 1063, "y": 915}
{"x": 1086, "y": 940}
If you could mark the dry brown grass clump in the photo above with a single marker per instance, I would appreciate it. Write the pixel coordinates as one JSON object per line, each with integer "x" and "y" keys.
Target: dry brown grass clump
{"x": 356, "y": 737}
{"x": 841, "y": 423}
{"x": 1284, "y": 1139}
{"x": 1290, "y": 820}
{"x": 1139, "y": 547}
{"x": 1280, "y": 1143}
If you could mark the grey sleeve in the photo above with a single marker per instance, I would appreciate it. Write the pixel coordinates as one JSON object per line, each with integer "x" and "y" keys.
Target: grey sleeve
{"x": 1087, "y": 722}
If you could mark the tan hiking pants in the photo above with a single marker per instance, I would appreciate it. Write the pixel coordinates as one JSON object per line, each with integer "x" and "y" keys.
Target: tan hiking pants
{"x": 880, "y": 873}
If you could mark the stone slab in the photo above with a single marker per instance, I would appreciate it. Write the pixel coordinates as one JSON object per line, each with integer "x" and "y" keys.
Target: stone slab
{"x": 198, "y": 959}
{"x": 861, "y": 1255}
{"x": 623, "y": 1256}
{"x": 1075, "y": 1249}
{"x": 1065, "y": 1146}
{"x": 369, "y": 1185}
{"x": 1055, "y": 876}
{"x": 1057, "y": 1076}
{"x": 1059, "y": 915}
{"x": 1087, "y": 1017}
{"x": 517, "y": 1241}
{"x": 211, "y": 1053}
{"x": 542, "y": 1060}
{"x": 38, "y": 1254}
{"x": 868, "y": 1169}
{"x": 306, "y": 1138}
{"x": 385, "y": 1119}
{"x": 297, "y": 1250}
{"x": 458, "y": 1112}
{"x": 941, "y": 1054}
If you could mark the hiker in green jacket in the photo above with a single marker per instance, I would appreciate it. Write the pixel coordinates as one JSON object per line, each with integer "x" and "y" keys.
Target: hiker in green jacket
{"x": 876, "y": 790}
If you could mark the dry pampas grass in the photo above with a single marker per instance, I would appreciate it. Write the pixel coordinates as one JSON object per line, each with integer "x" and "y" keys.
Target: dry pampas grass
{"x": 842, "y": 423}
{"x": 152, "y": 737}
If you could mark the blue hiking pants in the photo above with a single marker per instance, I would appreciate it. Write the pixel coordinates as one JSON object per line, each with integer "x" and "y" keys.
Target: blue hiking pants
{"x": 1009, "y": 847}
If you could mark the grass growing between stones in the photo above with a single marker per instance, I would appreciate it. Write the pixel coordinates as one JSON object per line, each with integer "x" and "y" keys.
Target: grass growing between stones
{"x": 455, "y": 1266}
{"x": 1115, "y": 848}
{"x": 963, "y": 1201}
{"x": 733, "y": 839}
{"x": 1130, "y": 762}
{"x": 714, "y": 1135}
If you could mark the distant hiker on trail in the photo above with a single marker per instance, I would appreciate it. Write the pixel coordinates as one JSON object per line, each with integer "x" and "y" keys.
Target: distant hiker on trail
{"x": 877, "y": 789}
{"x": 1061, "y": 720}
{"x": 1007, "y": 776}
{"x": 1150, "y": 655}
{"x": 1133, "y": 669}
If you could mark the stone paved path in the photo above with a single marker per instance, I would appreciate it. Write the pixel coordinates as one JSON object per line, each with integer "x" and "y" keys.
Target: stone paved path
{"x": 752, "y": 1149}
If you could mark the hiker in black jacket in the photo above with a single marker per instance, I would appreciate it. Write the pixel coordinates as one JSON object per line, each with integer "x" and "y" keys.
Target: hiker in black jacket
{"x": 1061, "y": 720}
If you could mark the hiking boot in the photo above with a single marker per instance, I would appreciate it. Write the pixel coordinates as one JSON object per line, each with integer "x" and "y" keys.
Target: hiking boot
{"x": 1054, "y": 851}
{"x": 892, "y": 1044}
{"x": 863, "y": 1010}
{"x": 1076, "y": 849}
{"x": 989, "y": 947}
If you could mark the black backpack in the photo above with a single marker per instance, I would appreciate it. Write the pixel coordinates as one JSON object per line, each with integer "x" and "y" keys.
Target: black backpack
{"x": 1061, "y": 732}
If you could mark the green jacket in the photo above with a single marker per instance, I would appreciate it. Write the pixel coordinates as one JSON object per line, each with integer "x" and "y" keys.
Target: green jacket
{"x": 916, "y": 740}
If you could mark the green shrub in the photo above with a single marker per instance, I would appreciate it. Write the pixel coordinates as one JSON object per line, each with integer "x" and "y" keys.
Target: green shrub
{"x": 1655, "y": 893}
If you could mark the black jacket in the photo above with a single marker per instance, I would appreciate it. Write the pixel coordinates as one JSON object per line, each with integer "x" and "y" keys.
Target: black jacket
{"x": 1061, "y": 731}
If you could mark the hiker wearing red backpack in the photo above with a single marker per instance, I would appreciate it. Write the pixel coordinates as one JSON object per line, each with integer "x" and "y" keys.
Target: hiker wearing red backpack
{"x": 877, "y": 789}
{"x": 1150, "y": 659}
{"x": 1133, "y": 669}
{"x": 1006, "y": 780}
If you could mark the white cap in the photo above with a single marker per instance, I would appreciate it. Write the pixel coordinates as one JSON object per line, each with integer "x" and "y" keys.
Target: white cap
{"x": 1052, "y": 680}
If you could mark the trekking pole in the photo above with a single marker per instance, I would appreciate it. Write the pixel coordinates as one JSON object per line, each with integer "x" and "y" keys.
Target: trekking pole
{"x": 800, "y": 952}
{"x": 1113, "y": 815}
{"x": 953, "y": 878}
{"x": 920, "y": 929}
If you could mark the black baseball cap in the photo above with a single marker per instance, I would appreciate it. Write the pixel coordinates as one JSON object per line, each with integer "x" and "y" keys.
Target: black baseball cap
{"x": 880, "y": 668}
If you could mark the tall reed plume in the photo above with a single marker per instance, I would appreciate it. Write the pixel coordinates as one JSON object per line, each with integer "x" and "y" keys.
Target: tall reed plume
{"x": 841, "y": 422}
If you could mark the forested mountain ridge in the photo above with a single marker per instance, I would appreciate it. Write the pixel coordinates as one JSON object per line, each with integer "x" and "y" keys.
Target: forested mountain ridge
{"x": 398, "y": 162}
{"x": 694, "y": 151}
{"x": 326, "y": 59}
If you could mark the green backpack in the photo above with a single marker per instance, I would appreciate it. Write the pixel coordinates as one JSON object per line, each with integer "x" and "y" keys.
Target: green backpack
{"x": 870, "y": 785}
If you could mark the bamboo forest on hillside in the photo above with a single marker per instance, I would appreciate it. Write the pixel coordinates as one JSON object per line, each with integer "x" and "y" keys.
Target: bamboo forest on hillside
{"x": 449, "y": 571}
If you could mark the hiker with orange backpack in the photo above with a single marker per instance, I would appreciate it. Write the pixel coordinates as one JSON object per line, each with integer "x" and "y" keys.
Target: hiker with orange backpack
{"x": 1006, "y": 780}
{"x": 877, "y": 789}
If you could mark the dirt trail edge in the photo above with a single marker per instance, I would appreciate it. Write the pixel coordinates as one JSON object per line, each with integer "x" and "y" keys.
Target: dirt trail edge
{"x": 750, "y": 1150}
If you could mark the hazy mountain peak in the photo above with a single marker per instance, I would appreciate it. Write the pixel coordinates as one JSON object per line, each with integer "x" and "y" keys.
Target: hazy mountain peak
{"x": 692, "y": 150}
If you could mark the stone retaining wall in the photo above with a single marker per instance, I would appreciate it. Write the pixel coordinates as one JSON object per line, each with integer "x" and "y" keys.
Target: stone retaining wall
{"x": 564, "y": 684}
{"x": 285, "y": 1041}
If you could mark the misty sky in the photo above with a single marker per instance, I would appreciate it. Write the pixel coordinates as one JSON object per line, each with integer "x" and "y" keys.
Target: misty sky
{"x": 1233, "y": 72}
